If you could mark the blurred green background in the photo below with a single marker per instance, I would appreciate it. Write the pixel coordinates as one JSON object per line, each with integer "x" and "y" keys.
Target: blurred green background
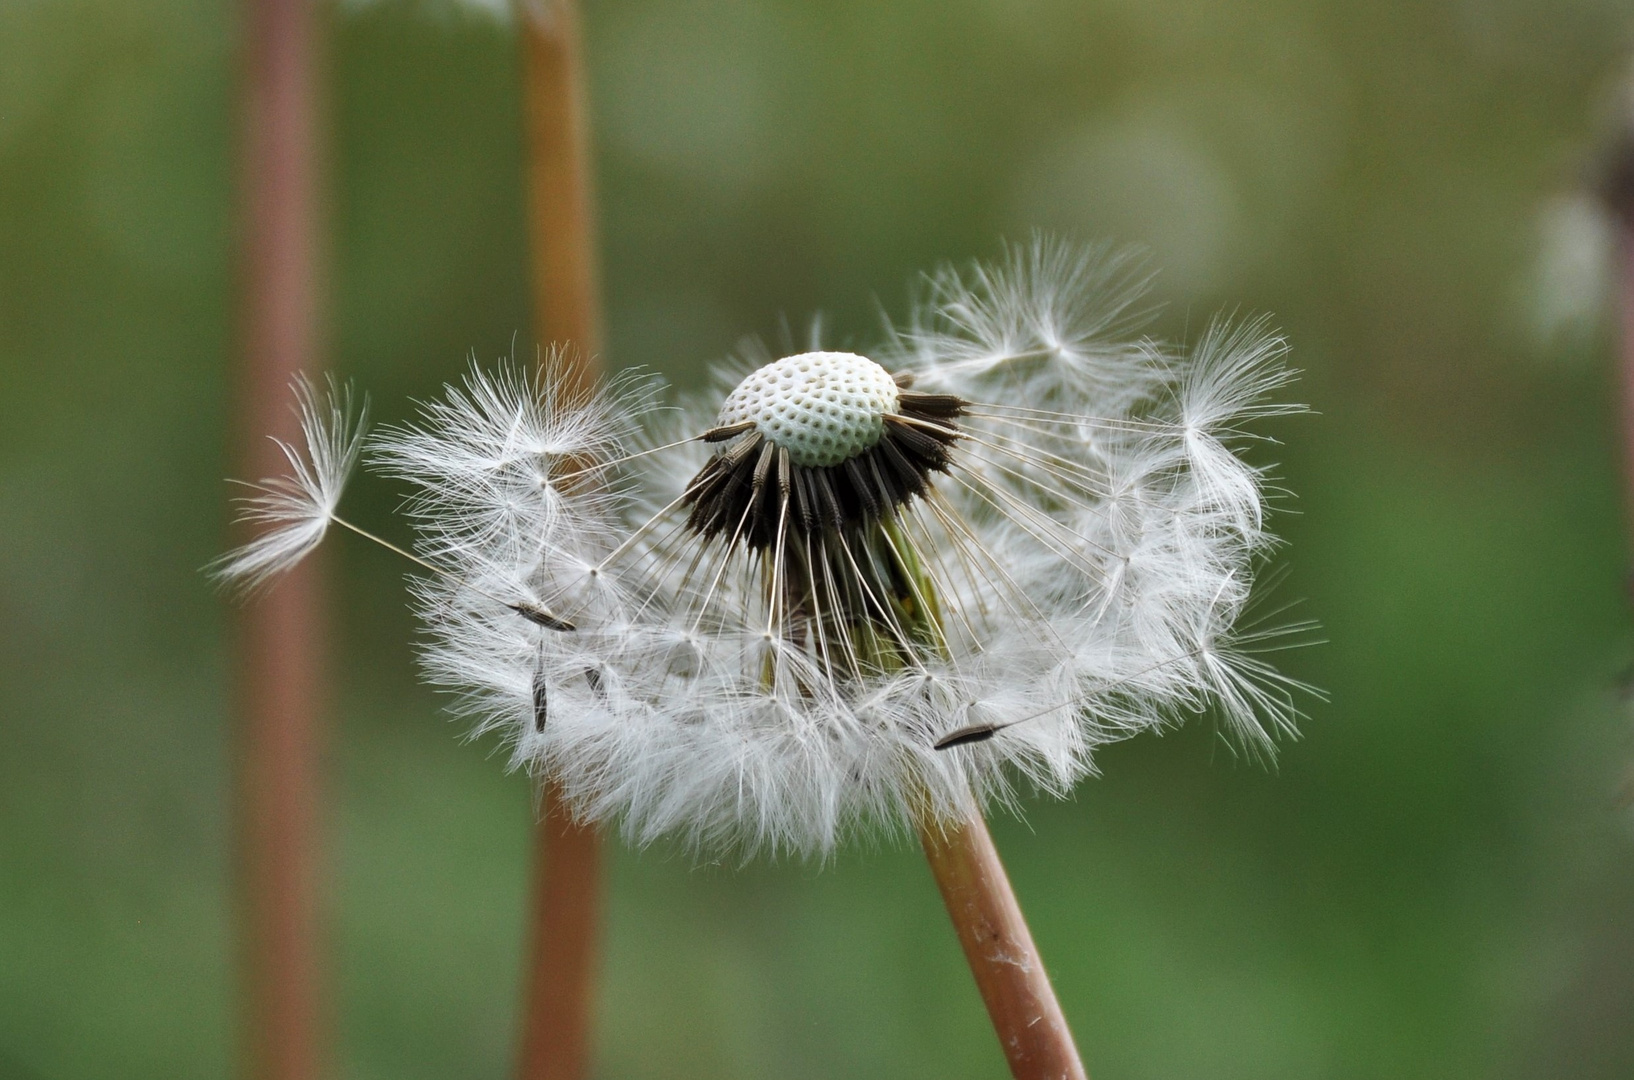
{"x": 1436, "y": 881}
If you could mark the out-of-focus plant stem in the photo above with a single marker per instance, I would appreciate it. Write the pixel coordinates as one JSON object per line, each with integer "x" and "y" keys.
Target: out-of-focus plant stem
{"x": 559, "y": 983}
{"x": 1616, "y": 183}
{"x": 1625, "y": 367}
{"x": 997, "y": 944}
{"x": 566, "y": 306}
{"x": 1624, "y": 216}
{"x": 999, "y": 948}
{"x": 279, "y": 636}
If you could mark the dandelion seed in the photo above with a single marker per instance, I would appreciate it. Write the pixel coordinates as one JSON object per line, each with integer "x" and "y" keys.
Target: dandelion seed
{"x": 297, "y": 508}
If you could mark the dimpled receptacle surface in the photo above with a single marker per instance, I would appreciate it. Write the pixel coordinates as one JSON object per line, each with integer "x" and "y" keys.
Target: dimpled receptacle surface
{"x": 822, "y": 407}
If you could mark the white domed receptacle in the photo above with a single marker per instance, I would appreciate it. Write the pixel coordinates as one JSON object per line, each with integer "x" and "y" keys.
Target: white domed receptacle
{"x": 822, "y": 407}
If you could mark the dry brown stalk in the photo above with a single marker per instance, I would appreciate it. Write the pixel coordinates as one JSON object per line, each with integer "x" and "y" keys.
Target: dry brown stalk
{"x": 278, "y": 667}
{"x": 563, "y": 916}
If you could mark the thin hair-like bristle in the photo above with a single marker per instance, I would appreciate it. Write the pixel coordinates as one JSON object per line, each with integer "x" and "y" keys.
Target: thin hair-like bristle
{"x": 294, "y": 510}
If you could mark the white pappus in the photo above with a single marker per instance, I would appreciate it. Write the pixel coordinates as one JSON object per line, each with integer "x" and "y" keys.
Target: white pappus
{"x": 863, "y": 592}
{"x": 299, "y": 506}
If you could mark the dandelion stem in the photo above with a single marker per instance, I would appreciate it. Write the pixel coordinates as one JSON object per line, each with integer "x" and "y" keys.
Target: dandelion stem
{"x": 563, "y": 922}
{"x": 1000, "y": 950}
{"x": 558, "y": 986}
{"x": 1617, "y": 189}
{"x": 278, "y": 668}
{"x": 559, "y": 196}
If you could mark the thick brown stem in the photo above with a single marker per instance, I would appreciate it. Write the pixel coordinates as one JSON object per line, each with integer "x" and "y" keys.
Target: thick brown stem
{"x": 560, "y": 979}
{"x": 1000, "y": 951}
{"x": 1617, "y": 190}
{"x": 563, "y": 923}
{"x": 278, "y": 641}
{"x": 1625, "y": 375}
{"x": 561, "y": 222}
{"x": 277, "y": 830}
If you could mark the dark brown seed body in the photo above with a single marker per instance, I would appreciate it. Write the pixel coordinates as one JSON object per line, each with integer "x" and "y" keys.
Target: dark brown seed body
{"x": 541, "y": 700}
{"x": 965, "y": 736}
{"x": 540, "y": 617}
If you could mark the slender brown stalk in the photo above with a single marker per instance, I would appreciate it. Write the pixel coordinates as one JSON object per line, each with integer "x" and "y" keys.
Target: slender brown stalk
{"x": 1625, "y": 367}
{"x": 563, "y": 922}
{"x": 561, "y": 217}
{"x": 566, "y": 888}
{"x": 278, "y": 639}
{"x": 1000, "y": 951}
{"x": 1617, "y": 191}
{"x": 1625, "y": 372}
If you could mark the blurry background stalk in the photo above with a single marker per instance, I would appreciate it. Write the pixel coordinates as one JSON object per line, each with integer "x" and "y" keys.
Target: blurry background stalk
{"x": 280, "y": 635}
{"x": 1617, "y": 189}
{"x": 566, "y": 887}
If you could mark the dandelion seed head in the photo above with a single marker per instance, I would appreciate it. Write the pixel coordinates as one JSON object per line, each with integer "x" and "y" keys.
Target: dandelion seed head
{"x": 858, "y": 593}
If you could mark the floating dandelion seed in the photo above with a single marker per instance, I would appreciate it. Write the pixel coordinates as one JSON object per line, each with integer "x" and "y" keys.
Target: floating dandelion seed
{"x": 299, "y": 506}
{"x": 859, "y": 593}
